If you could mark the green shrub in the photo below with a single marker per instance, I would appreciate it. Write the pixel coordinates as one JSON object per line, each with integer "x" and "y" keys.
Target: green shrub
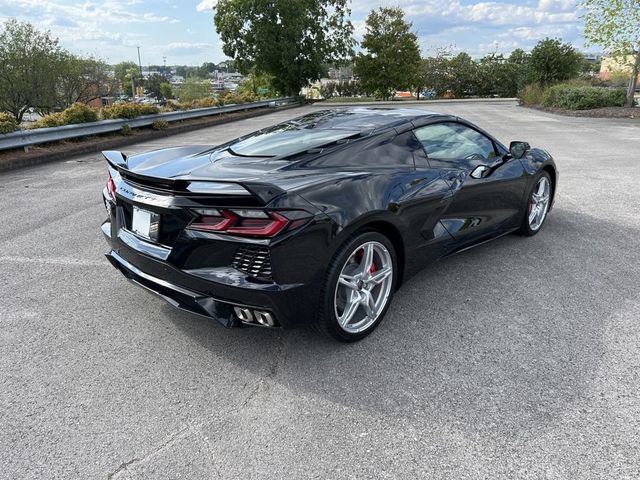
{"x": 173, "y": 105}
{"x": 51, "y": 120}
{"x": 125, "y": 130}
{"x": 231, "y": 98}
{"x": 573, "y": 97}
{"x": 8, "y": 124}
{"x": 79, "y": 113}
{"x": 128, "y": 110}
{"x": 193, "y": 89}
{"x": 206, "y": 102}
{"x": 160, "y": 125}
{"x": 76, "y": 113}
{"x": 531, "y": 95}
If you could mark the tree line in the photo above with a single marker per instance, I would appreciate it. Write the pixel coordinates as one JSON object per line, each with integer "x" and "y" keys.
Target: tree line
{"x": 38, "y": 74}
{"x": 291, "y": 40}
{"x": 283, "y": 45}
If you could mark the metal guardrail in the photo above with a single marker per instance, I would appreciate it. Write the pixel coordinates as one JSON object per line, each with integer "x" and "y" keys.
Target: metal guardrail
{"x": 25, "y": 138}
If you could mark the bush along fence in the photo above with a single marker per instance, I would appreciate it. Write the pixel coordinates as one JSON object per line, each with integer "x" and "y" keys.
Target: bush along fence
{"x": 572, "y": 96}
{"x": 80, "y": 121}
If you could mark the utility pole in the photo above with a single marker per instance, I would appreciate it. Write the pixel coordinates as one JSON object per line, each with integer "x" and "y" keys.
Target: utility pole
{"x": 164, "y": 67}
{"x": 139, "y": 63}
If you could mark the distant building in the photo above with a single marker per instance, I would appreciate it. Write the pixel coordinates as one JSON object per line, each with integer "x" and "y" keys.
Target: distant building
{"x": 341, "y": 73}
{"x": 102, "y": 102}
{"x": 592, "y": 57}
{"x": 176, "y": 80}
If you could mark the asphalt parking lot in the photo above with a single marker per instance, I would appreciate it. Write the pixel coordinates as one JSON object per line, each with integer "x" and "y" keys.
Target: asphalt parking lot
{"x": 517, "y": 359}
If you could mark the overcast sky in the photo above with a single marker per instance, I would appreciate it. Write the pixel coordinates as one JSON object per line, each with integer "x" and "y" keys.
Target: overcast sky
{"x": 183, "y": 31}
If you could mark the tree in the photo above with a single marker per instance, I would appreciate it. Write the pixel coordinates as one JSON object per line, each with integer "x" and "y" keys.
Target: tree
{"x": 121, "y": 70}
{"x": 206, "y": 69}
{"x": 125, "y": 72}
{"x": 552, "y": 61}
{"x": 166, "y": 91}
{"x": 615, "y": 25}
{"x": 289, "y": 39}
{"x": 497, "y": 76}
{"x": 392, "y": 60}
{"x": 153, "y": 84}
{"x": 31, "y": 62}
{"x": 259, "y": 84}
{"x": 131, "y": 78}
{"x": 82, "y": 80}
{"x": 464, "y": 80}
{"x": 186, "y": 71}
{"x": 520, "y": 61}
{"x": 192, "y": 89}
{"x": 436, "y": 73}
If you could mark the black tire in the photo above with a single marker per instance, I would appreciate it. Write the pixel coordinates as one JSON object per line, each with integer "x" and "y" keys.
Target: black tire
{"x": 525, "y": 227}
{"x": 327, "y": 321}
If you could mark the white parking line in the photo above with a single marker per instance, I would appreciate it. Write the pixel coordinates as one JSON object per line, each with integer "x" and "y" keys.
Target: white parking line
{"x": 53, "y": 261}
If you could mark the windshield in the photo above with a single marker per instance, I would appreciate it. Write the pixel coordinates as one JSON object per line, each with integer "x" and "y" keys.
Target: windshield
{"x": 288, "y": 139}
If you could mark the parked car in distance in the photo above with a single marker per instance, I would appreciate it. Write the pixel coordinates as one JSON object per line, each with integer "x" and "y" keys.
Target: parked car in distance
{"x": 320, "y": 219}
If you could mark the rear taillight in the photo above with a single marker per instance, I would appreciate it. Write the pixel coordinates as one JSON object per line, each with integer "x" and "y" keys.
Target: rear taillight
{"x": 213, "y": 220}
{"x": 111, "y": 187}
{"x": 248, "y": 222}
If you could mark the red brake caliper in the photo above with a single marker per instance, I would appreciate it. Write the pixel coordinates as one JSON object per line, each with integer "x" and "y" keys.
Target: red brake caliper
{"x": 373, "y": 268}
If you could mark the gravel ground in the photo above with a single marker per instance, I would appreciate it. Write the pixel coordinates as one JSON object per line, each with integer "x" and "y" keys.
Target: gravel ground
{"x": 517, "y": 359}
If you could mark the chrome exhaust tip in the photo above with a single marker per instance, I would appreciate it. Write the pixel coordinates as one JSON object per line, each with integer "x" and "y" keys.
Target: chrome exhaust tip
{"x": 264, "y": 318}
{"x": 244, "y": 314}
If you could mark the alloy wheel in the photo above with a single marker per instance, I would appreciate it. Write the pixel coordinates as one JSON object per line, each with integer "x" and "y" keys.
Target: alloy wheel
{"x": 363, "y": 287}
{"x": 539, "y": 203}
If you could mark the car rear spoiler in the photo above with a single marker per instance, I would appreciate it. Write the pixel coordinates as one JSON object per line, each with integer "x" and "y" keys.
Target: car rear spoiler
{"x": 264, "y": 192}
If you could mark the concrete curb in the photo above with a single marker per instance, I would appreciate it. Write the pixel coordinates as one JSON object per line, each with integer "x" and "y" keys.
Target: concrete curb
{"x": 399, "y": 103}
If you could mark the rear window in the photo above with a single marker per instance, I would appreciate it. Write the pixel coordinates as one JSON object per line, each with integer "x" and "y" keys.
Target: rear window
{"x": 287, "y": 139}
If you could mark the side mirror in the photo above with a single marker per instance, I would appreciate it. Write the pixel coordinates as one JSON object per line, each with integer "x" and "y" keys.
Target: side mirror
{"x": 518, "y": 149}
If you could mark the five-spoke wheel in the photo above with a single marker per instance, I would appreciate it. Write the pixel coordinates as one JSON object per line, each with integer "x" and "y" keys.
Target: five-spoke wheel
{"x": 359, "y": 286}
{"x": 538, "y": 204}
{"x": 363, "y": 287}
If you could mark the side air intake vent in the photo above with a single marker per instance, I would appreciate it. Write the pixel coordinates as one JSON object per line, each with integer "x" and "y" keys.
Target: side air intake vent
{"x": 254, "y": 261}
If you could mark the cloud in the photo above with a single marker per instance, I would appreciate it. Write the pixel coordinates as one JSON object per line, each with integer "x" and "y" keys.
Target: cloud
{"x": 455, "y": 13}
{"x": 484, "y": 26}
{"x": 187, "y": 48}
{"x": 106, "y": 12}
{"x": 206, "y": 5}
{"x": 61, "y": 22}
{"x": 115, "y": 27}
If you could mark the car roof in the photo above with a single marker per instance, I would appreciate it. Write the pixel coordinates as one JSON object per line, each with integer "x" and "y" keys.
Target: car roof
{"x": 361, "y": 118}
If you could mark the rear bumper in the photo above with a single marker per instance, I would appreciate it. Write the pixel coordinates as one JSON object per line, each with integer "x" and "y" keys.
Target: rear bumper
{"x": 175, "y": 295}
{"x": 212, "y": 292}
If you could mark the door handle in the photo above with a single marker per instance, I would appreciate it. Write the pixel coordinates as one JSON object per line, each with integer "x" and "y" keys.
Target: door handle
{"x": 480, "y": 171}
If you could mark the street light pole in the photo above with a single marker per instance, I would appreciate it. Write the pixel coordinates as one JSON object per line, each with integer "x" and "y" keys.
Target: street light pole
{"x": 139, "y": 62}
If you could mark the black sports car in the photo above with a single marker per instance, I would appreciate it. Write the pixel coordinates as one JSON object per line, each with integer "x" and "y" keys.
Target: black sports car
{"x": 320, "y": 219}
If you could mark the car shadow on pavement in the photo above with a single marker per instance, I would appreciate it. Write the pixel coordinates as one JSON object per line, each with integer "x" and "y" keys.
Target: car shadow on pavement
{"x": 499, "y": 335}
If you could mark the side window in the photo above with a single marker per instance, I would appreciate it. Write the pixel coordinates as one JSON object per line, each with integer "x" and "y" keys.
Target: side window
{"x": 453, "y": 141}
{"x": 386, "y": 150}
